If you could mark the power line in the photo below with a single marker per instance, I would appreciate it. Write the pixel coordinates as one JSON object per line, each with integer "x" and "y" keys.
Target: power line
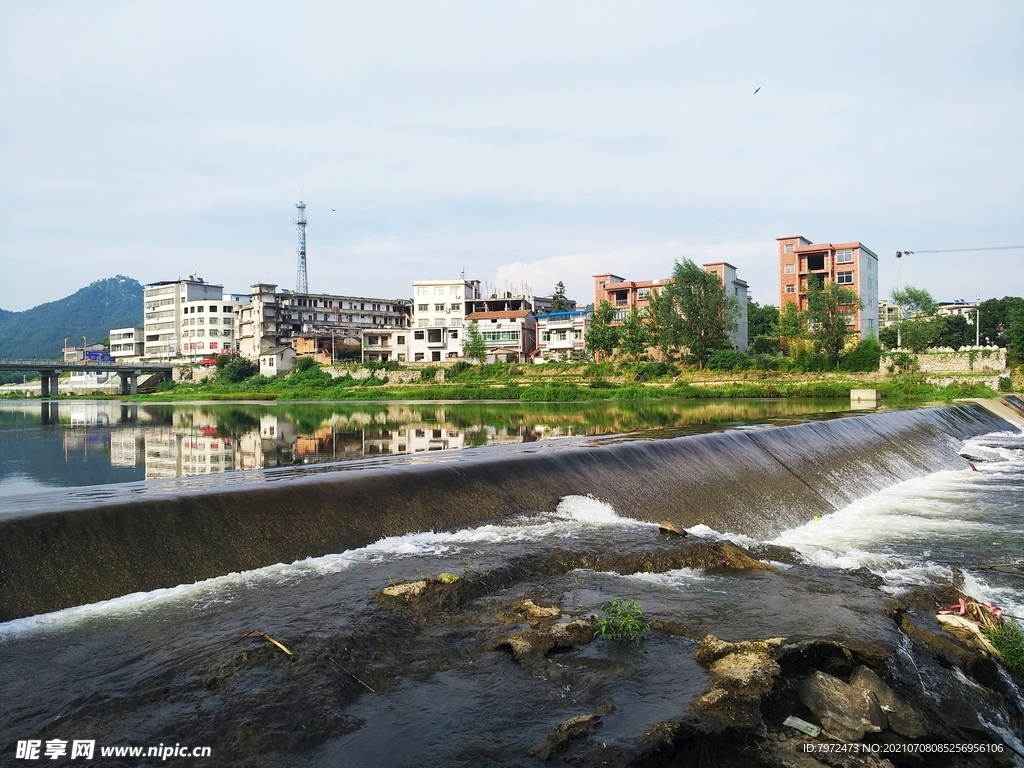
{"x": 968, "y": 250}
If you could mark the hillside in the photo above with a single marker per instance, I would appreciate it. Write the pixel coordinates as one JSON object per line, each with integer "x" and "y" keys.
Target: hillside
{"x": 91, "y": 312}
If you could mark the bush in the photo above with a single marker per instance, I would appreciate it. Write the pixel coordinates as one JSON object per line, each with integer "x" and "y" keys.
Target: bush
{"x": 863, "y": 357}
{"x": 652, "y": 371}
{"x": 1008, "y": 639}
{"x": 597, "y": 370}
{"x": 460, "y": 366}
{"x": 766, "y": 362}
{"x": 428, "y": 373}
{"x": 236, "y": 368}
{"x": 620, "y": 620}
{"x": 729, "y": 360}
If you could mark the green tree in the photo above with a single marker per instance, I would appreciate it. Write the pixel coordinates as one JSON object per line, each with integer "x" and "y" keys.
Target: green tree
{"x": 474, "y": 347}
{"x": 792, "y": 325}
{"x": 602, "y": 336}
{"x": 995, "y": 319}
{"x": 665, "y": 322}
{"x": 235, "y": 368}
{"x": 830, "y": 309}
{"x": 706, "y": 314}
{"x": 953, "y": 331}
{"x": 635, "y": 333}
{"x": 1015, "y": 330}
{"x": 559, "y": 303}
{"x": 763, "y": 328}
{"x": 916, "y": 329}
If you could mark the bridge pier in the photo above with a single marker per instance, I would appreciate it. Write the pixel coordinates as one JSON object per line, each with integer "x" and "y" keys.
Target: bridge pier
{"x": 129, "y": 383}
{"x": 48, "y": 381}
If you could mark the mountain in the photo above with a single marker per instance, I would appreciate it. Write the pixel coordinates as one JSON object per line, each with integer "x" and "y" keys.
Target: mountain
{"x": 91, "y": 312}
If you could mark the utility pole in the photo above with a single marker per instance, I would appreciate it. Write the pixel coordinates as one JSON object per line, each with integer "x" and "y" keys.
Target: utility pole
{"x": 301, "y": 284}
{"x": 977, "y": 321}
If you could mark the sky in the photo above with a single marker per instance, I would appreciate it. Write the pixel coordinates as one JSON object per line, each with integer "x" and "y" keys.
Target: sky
{"x": 517, "y": 142}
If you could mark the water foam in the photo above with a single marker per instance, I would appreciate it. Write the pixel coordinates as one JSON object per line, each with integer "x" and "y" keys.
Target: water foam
{"x": 572, "y": 515}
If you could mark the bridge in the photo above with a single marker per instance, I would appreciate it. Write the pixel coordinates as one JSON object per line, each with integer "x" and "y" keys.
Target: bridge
{"x": 50, "y": 370}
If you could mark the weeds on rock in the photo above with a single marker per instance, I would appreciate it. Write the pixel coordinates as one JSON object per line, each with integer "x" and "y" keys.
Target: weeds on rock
{"x": 1008, "y": 638}
{"x": 621, "y": 620}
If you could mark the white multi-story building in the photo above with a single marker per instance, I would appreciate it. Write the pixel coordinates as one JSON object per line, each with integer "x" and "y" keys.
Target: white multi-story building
{"x": 563, "y": 335}
{"x": 381, "y": 344}
{"x": 126, "y": 343}
{"x": 510, "y": 335}
{"x": 181, "y": 315}
{"x": 439, "y": 309}
{"x": 272, "y": 318}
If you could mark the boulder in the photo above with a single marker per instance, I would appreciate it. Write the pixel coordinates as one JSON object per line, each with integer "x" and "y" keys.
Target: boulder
{"x": 845, "y": 713}
{"x": 535, "y": 643}
{"x": 742, "y": 674}
{"x": 566, "y": 731}
{"x": 902, "y": 719}
{"x": 405, "y": 591}
{"x": 667, "y": 526}
{"x": 534, "y": 611}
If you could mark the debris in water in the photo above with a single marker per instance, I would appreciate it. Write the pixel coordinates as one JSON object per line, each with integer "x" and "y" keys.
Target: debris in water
{"x": 802, "y": 725}
{"x": 666, "y": 526}
{"x": 266, "y": 637}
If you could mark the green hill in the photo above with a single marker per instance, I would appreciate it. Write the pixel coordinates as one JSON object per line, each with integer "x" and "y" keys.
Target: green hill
{"x": 91, "y": 312}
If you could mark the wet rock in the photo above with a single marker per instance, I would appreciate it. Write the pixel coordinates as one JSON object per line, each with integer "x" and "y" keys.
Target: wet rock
{"x": 566, "y": 731}
{"x": 534, "y": 643}
{"x": 667, "y": 526}
{"x": 534, "y": 611}
{"x": 405, "y": 591}
{"x": 722, "y": 556}
{"x": 902, "y": 718}
{"x": 845, "y": 713}
{"x": 742, "y": 674}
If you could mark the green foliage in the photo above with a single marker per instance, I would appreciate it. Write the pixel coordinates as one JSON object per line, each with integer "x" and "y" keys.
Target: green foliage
{"x": 863, "y": 357}
{"x": 598, "y": 369}
{"x": 235, "y": 368}
{"x": 917, "y": 329}
{"x": 428, "y": 372}
{"x": 304, "y": 364}
{"x": 656, "y": 370}
{"x": 913, "y": 301}
{"x": 559, "y": 303}
{"x": 459, "y": 367}
{"x": 39, "y": 333}
{"x": 706, "y": 315}
{"x": 792, "y": 325}
{"x": 765, "y": 345}
{"x": 729, "y": 360}
{"x": 602, "y": 336}
{"x": 306, "y": 372}
{"x": 899, "y": 363}
{"x": 953, "y": 331}
{"x": 1008, "y": 639}
{"x": 829, "y": 311}
{"x": 635, "y": 333}
{"x": 1015, "y": 331}
{"x": 474, "y": 347}
{"x": 763, "y": 322}
{"x": 622, "y": 621}
{"x": 917, "y": 333}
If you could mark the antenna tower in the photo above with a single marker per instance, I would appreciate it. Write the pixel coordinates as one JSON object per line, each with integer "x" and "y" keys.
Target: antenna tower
{"x": 301, "y": 285}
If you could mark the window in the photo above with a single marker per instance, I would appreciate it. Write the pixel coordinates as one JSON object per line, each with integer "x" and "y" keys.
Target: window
{"x": 453, "y": 335}
{"x": 439, "y": 290}
{"x": 424, "y": 322}
{"x": 456, "y": 321}
{"x": 643, "y": 294}
{"x": 500, "y": 335}
{"x": 790, "y": 289}
{"x": 439, "y": 322}
{"x": 439, "y": 307}
{"x": 844, "y": 257}
{"x": 456, "y": 290}
{"x": 214, "y": 321}
{"x": 421, "y": 291}
{"x": 422, "y": 307}
{"x": 789, "y": 248}
{"x": 400, "y": 340}
{"x": 844, "y": 278}
{"x": 417, "y": 335}
{"x": 418, "y": 357}
{"x": 228, "y": 309}
{"x": 213, "y": 307}
{"x": 790, "y": 269}
{"x": 197, "y": 309}
{"x": 401, "y": 357}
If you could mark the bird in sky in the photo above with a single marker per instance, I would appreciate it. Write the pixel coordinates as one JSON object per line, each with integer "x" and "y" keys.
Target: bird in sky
{"x": 332, "y": 209}
{"x": 758, "y": 89}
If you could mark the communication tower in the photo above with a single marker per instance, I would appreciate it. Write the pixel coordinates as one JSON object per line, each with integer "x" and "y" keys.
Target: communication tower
{"x": 301, "y": 285}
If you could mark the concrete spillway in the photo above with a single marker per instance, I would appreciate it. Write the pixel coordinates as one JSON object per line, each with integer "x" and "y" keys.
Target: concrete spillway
{"x": 757, "y": 482}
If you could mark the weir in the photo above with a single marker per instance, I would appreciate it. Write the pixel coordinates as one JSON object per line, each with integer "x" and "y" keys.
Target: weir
{"x": 756, "y": 482}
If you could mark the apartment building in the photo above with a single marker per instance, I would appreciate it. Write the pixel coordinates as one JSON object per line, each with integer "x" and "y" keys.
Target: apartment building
{"x": 273, "y": 318}
{"x": 162, "y": 306}
{"x": 736, "y": 289}
{"x": 383, "y": 345}
{"x": 208, "y": 327}
{"x": 439, "y": 309}
{"x": 562, "y": 335}
{"x": 126, "y": 343}
{"x": 624, "y": 295}
{"x": 851, "y": 265}
{"x": 510, "y": 335}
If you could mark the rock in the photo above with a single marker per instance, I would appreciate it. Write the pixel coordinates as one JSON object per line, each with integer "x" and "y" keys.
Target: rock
{"x": 902, "y": 719}
{"x": 405, "y": 591}
{"x": 566, "y": 731}
{"x": 534, "y": 643}
{"x": 722, "y": 556}
{"x": 845, "y": 713}
{"x": 742, "y": 674}
{"x": 667, "y": 526}
{"x": 534, "y": 611}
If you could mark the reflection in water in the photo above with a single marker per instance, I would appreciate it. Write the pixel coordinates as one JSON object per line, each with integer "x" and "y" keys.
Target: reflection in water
{"x": 112, "y": 442}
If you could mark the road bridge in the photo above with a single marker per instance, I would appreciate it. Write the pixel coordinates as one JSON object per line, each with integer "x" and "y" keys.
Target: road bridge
{"x": 50, "y": 370}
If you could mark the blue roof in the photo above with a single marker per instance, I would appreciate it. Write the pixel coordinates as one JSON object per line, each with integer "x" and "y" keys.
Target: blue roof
{"x": 569, "y": 313}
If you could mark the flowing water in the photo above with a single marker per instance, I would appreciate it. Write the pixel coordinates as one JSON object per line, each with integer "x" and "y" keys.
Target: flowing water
{"x": 873, "y": 505}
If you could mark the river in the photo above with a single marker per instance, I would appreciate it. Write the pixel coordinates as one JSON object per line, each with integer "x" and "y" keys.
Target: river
{"x": 897, "y": 509}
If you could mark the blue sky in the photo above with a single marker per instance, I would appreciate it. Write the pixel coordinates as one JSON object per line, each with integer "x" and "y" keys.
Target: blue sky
{"x": 529, "y": 142}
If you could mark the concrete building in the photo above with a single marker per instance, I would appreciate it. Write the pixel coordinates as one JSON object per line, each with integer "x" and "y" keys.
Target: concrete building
{"x": 384, "y": 345}
{"x": 272, "y": 318}
{"x": 276, "y": 361}
{"x": 735, "y": 288}
{"x": 562, "y": 335}
{"x": 510, "y": 335}
{"x": 209, "y": 327}
{"x": 126, "y": 343}
{"x": 851, "y": 265}
{"x": 887, "y": 313}
{"x": 162, "y": 305}
{"x": 439, "y": 312}
{"x": 624, "y": 294}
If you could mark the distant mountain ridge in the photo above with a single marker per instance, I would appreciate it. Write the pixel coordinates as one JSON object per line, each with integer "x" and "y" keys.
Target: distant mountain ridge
{"x": 115, "y": 302}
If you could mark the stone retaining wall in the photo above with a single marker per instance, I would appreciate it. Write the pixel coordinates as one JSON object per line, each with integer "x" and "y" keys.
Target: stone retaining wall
{"x": 946, "y": 360}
